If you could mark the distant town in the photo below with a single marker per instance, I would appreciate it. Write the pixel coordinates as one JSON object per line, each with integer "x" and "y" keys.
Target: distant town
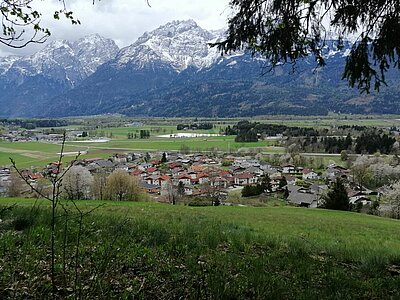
{"x": 210, "y": 177}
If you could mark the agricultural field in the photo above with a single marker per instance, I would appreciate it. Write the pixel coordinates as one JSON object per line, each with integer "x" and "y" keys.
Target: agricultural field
{"x": 28, "y": 154}
{"x": 334, "y": 120}
{"x": 218, "y": 143}
{"x": 38, "y": 154}
{"x": 151, "y": 250}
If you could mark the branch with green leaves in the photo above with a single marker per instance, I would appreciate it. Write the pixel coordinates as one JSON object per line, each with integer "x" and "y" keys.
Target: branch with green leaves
{"x": 284, "y": 31}
{"x": 21, "y": 22}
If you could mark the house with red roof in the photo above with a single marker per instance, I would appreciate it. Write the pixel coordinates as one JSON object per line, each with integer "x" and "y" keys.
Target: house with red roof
{"x": 245, "y": 178}
{"x": 185, "y": 179}
{"x": 203, "y": 178}
{"x": 153, "y": 171}
{"x": 164, "y": 179}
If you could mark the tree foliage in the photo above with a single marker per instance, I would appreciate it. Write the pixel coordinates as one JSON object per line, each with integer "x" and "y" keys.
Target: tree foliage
{"x": 284, "y": 31}
{"x": 15, "y": 186}
{"x": 164, "y": 158}
{"x": 76, "y": 183}
{"x": 392, "y": 196}
{"x": 98, "y": 188}
{"x": 337, "y": 197}
{"x": 123, "y": 187}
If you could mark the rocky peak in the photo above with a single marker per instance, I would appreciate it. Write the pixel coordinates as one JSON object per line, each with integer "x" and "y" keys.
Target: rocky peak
{"x": 180, "y": 44}
{"x": 61, "y": 60}
{"x": 94, "y": 50}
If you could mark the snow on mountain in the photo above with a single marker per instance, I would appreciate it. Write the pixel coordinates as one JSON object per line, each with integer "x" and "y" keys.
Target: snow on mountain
{"x": 61, "y": 60}
{"x": 93, "y": 51}
{"x": 6, "y": 63}
{"x": 181, "y": 44}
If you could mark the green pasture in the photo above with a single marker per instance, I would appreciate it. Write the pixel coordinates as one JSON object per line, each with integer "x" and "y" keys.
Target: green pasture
{"x": 352, "y": 235}
{"x": 298, "y": 121}
{"x": 325, "y": 122}
{"x": 194, "y": 144}
{"x": 149, "y": 250}
{"x": 38, "y": 154}
{"x": 122, "y": 132}
{"x": 28, "y": 154}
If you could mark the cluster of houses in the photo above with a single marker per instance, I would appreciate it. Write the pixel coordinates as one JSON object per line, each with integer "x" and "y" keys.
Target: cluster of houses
{"x": 5, "y": 176}
{"x": 36, "y": 135}
{"x": 197, "y": 173}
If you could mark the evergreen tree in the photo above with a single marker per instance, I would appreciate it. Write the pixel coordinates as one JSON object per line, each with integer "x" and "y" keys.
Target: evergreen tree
{"x": 282, "y": 182}
{"x": 181, "y": 189}
{"x": 337, "y": 197}
{"x": 247, "y": 191}
{"x": 286, "y": 31}
{"x": 286, "y": 193}
{"x": 266, "y": 183}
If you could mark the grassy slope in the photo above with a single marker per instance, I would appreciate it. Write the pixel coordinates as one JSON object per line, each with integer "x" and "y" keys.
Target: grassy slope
{"x": 178, "y": 251}
{"x": 334, "y": 230}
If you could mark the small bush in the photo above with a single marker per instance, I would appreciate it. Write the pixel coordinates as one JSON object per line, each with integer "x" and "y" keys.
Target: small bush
{"x": 199, "y": 201}
{"x": 22, "y": 222}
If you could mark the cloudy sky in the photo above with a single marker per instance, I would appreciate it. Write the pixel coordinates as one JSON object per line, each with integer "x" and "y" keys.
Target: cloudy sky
{"x": 124, "y": 20}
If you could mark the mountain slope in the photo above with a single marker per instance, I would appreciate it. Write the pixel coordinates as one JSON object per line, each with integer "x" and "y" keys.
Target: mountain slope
{"x": 153, "y": 62}
{"x": 171, "y": 71}
{"x": 26, "y": 82}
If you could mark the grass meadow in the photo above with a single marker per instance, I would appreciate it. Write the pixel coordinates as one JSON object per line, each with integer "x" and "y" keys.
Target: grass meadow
{"x": 194, "y": 144}
{"x": 38, "y": 154}
{"x": 334, "y": 120}
{"x": 148, "y": 250}
{"x": 28, "y": 154}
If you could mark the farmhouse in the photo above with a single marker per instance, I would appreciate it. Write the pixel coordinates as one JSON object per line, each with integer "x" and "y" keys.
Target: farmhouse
{"x": 309, "y": 174}
{"x": 289, "y": 169}
{"x": 245, "y": 179}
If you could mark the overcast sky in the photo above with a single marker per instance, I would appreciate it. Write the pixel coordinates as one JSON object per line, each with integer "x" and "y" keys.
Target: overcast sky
{"x": 124, "y": 20}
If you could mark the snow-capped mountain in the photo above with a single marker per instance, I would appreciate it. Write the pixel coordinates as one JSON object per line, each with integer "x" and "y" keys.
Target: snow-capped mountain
{"x": 6, "y": 63}
{"x": 93, "y": 51}
{"x": 25, "y": 82}
{"x": 61, "y": 60}
{"x": 180, "y": 44}
{"x": 172, "y": 71}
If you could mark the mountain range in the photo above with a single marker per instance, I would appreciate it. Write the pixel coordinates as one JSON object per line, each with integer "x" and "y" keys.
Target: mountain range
{"x": 173, "y": 72}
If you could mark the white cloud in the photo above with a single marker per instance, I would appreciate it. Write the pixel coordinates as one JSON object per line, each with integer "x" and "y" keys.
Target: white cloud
{"x": 124, "y": 20}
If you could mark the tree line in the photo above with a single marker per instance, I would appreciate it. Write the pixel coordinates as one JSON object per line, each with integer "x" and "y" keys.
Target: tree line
{"x": 33, "y": 123}
{"x": 367, "y": 143}
{"x": 246, "y": 131}
{"x": 203, "y": 126}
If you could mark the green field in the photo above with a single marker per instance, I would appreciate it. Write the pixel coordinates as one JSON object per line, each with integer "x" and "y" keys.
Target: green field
{"x": 37, "y": 154}
{"x": 328, "y": 121}
{"x": 28, "y": 154}
{"x": 201, "y": 143}
{"x": 169, "y": 124}
{"x": 150, "y": 250}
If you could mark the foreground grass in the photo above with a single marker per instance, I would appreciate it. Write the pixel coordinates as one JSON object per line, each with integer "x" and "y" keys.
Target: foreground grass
{"x": 150, "y": 250}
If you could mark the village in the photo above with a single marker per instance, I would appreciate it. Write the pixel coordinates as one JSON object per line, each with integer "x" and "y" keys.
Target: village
{"x": 164, "y": 175}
